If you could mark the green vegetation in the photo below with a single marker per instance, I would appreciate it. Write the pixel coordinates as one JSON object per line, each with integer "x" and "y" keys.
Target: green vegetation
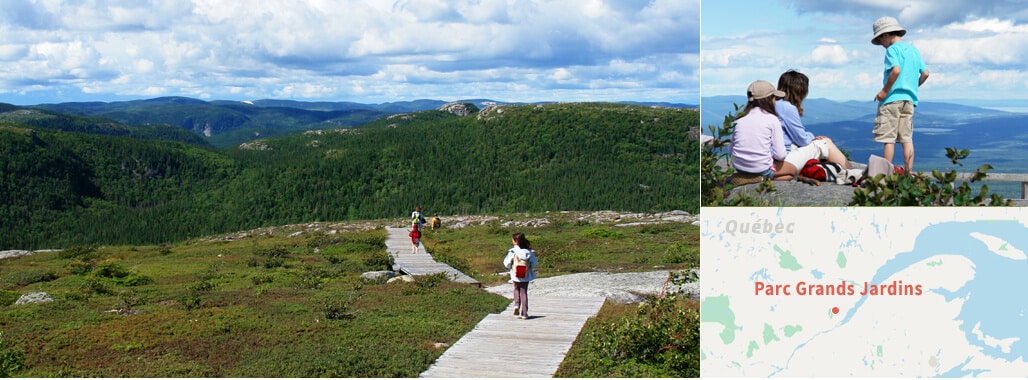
{"x": 94, "y": 125}
{"x": 71, "y": 188}
{"x": 920, "y": 190}
{"x": 213, "y": 307}
{"x": 658, "y": 338}
{"x": 565, "y": 246}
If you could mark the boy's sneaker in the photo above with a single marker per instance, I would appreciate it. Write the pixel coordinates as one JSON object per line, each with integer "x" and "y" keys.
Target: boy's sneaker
{"x": 523, "y": 317}
{"x": 516, "y": 311}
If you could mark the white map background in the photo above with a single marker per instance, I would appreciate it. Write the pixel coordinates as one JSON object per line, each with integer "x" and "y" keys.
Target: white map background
{"x": 970, "y": 320}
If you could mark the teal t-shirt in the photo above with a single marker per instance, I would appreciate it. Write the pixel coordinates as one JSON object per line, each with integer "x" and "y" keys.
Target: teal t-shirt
{"x": 911, "y": 66}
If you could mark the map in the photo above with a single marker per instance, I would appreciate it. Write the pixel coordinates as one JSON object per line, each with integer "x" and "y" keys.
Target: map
{"x": 864, "y": 292}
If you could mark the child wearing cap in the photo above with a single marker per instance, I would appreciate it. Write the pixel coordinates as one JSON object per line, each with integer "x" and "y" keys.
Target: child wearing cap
{"x": 757, "y": 140}
{"x": 904, "y": 73}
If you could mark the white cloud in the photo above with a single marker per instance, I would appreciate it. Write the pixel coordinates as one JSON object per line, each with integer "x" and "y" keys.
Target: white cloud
{"x": 967, "y": 52}
{"x": 561, "y": 74}
{"x": 262, "y": 47}
{"x": 926, "y": 13}
{"x": 996, "y": 50}
{"x": 833, "y": 55}
{"x": 10, "y": 52}
{"x": 865, "y": 80}
{"x": 144, "y": 66}
{"x": 992, "y": 25}
{"x": 1002, "y": 79}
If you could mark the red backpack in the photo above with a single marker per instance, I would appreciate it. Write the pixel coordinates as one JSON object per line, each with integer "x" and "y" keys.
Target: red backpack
{"x": 821, "y": 170}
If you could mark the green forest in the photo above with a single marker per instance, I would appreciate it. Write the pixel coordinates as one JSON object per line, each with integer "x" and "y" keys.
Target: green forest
{"x": 71, "y": 180}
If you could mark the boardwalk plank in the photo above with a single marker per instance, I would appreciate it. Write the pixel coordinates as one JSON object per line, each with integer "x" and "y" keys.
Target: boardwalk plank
{"x": 503, "y": 346}
{"x": 399, "y": 246}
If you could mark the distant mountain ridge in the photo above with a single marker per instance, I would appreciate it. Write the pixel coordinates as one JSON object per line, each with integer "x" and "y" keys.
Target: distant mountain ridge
{"x": 822, "y": 110}
{"x": 227, "y": 123}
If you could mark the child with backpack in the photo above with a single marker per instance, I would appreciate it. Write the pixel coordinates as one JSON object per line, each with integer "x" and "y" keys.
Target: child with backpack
{"x": 521, "y": 262}
{"x": 415, "y": 237}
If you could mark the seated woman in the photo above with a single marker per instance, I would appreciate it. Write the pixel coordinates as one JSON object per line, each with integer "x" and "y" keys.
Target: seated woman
{"x": 800, "y": 143}
{"x": 757, "y": 138}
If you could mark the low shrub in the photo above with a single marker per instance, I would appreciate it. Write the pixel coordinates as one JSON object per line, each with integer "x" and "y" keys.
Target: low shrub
{"x": 19, "y": 279}
{"x": 940, "y": 189}
{"x": 11, "y": 360}
{"x": 312, "y": 277}
{"x": 661, "y": 339}
{"x": 79, "y": 252}
{"x": 606, "y": 233}
{"x": 8, "y": 297}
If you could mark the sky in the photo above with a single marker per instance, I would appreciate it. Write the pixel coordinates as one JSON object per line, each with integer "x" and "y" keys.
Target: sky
{"x": 370, "y": 51}
{"x": 974, "y": 49}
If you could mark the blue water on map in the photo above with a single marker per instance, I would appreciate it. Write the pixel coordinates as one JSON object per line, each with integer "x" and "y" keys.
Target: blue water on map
{"x": 994, "y": 300}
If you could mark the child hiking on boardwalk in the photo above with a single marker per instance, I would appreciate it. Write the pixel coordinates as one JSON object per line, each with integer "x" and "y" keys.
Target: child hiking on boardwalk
{"x": 415, "y": 237}
{"x": 904, "y": 73}
{"x": 521, "y": 262}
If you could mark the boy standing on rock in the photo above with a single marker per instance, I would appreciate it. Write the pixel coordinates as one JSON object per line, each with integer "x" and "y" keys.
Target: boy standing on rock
{"x": 904, "y": 73}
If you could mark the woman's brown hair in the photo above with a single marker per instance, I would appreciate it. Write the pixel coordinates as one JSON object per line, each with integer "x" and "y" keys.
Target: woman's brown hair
{"x": 795, "y": 85}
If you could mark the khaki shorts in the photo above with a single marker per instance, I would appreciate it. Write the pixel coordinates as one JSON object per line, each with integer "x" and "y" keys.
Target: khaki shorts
{"x": 895, "y": 122}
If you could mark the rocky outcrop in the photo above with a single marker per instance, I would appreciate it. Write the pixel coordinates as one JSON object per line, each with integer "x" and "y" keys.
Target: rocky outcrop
{"x": 34, "y": 297}
{"x": 459, "y": 109}
{"x": 14, "y": 253}
{"x": 378, "y": 275}
{"x": 792, "y": 193}
{"x": 257, "y": 145}
{"x": 490, "y": 112}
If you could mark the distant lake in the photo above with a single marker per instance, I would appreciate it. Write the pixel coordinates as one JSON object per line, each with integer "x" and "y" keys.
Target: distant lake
{"x": 1006, "y": 152}
{"x": 1010, "y": 190}
{"x": 1010, "y": 109}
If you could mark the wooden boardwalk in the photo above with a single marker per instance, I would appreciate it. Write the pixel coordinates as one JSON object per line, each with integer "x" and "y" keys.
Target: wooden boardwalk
{"x": 503, "y": 346}
{"x": 398, "y": 245}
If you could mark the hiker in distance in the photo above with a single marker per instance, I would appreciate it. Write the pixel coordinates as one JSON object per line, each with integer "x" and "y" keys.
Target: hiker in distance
{"x": 417, "y": 218}
{"x": 521, "y": 262}
{"x": 436, "y": 222}
{"x": 800, "y": 144}
{"x": 904, "y": 73}
{"x": 757, "y": 141}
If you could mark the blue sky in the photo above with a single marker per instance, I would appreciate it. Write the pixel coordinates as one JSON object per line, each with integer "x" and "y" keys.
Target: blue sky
{"x": 368, "y": 51}
{"x": 974, "y": 49}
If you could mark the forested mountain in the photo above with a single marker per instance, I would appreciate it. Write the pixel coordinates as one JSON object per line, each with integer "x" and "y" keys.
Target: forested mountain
{"x": 15, "y": 115}
{"x": 64, "y": 188}
{"x": 225, "y": 123}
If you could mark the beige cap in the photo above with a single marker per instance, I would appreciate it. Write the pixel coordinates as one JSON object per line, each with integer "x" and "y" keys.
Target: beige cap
{"x": 762, "y": 89}
{"x": 884, "y": 25}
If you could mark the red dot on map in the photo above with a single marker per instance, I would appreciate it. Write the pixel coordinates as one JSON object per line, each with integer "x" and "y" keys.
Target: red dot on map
{"x": 835, "y": 310}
